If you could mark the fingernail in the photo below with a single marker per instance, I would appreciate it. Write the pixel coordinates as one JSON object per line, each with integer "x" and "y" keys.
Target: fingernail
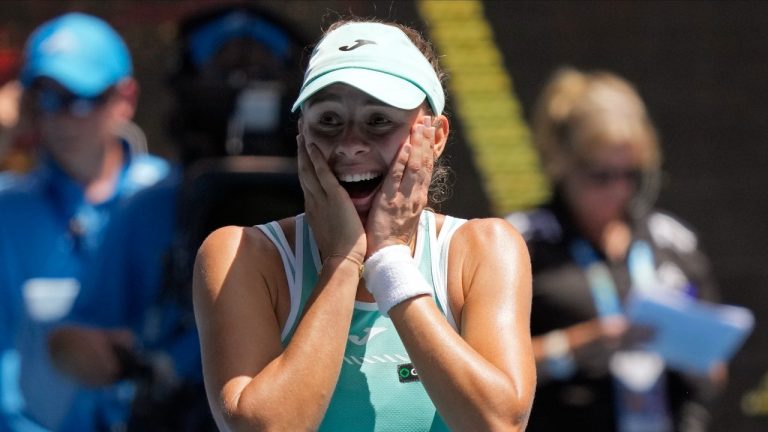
{"x": 427, "y": 121}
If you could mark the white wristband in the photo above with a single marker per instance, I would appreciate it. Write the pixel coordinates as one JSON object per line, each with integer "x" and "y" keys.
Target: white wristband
{"x": 392, "y": 276}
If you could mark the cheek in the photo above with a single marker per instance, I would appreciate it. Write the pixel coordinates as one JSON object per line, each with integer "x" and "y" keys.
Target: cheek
{"x": 310, "y": 136}
{"x": 389, "y": 150}
{"x": 324, "y": 144}
{"x": 390, "y": 147}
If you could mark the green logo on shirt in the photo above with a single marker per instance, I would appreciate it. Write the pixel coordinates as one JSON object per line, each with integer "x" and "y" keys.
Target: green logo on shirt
{"x": 407, "y": 373}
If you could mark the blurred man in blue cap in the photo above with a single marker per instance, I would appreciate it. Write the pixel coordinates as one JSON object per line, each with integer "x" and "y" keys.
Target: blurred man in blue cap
{"x": 77, "y": 76}
{"x": 235, "y": 79}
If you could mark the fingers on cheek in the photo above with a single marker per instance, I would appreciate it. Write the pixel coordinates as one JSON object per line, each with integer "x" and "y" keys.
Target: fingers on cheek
{"x": 417, "y": 134}
{"x": 315, "y": 156}
{"x": 413, "y": 159}
{"x": 301, "y": 149}
{"x": 402, "y": 157}
{"x": 304, "y": 164}
{"x": 429, "y": 135}
{"x": 311, "y": 151}
{"x": 429, "y": 154}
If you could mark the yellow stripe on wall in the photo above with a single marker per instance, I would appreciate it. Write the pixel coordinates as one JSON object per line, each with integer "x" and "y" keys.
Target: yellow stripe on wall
{"x": 484, "y": 100}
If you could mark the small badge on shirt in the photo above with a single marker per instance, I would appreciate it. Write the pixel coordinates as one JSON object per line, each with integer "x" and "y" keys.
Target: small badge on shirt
{"x": 407, "y": 373}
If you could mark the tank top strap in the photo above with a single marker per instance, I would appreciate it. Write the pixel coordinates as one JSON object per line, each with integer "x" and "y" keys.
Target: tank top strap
{"x": 301, "y": 265}
{"x": 438, "y": 246}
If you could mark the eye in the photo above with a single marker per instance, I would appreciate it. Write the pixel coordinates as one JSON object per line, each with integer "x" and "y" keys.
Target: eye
{"x": 329, "y": 119}
{"x": 327, "y": 122}
{"x": 379, "y": 121}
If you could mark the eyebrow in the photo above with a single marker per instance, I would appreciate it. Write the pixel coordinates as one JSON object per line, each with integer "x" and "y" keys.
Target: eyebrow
{"x": 323, "y": 96}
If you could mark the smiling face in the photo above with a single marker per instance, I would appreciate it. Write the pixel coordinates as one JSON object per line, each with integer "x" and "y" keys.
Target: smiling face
{"x": 358, "y": 135}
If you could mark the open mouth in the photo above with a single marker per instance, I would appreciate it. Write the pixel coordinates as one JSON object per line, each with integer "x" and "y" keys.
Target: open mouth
{"x": 360, "y": 185}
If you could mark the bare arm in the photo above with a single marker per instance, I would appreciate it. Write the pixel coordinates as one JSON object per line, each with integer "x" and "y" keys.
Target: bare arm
{"x": 483, "y": 378}
{"x": 251, "y": 381}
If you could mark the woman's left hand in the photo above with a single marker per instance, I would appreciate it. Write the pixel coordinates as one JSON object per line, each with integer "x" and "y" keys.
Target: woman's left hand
{"x": 396, "y": 209}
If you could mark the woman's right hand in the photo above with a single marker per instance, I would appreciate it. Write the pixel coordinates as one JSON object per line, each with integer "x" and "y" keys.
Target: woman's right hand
{"x": 335, "y": 223}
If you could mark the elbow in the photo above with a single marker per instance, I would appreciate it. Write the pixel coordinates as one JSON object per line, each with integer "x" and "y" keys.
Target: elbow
{"x": 233, "y": 421}
{"x": 513, "y": 420}
{"x": 520, "y": 410}
{"x": 237, "y": 416}
{"x": 231, "y": 416}
{"x": 511, "y": 416}
{"x": 520, "y": 419}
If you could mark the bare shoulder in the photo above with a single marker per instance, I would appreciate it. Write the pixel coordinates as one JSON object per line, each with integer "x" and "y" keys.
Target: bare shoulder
{"x": 228, "y": 242}
{"x": 488, "y": 236}
{"x": 488, "y": 256}
{"x": 237, "y": 253}
{"x": 223, "y": 247}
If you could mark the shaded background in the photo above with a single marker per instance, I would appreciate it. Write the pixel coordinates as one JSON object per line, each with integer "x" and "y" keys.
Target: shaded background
{"x": 701, "y": 67}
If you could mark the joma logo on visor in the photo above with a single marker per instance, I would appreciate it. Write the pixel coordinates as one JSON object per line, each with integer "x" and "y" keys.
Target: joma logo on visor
{"x": 358, "y": 44}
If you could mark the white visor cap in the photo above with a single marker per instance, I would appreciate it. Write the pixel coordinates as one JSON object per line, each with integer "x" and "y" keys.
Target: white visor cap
{"x": 378, "y": 59}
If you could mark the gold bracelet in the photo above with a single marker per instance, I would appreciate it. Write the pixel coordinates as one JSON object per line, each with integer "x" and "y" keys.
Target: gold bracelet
{"x": 360, "y": 265}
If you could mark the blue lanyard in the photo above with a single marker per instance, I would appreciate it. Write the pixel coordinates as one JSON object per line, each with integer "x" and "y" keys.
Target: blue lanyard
{"x": 642, "y": 273}
{"x": 636, "y": 410}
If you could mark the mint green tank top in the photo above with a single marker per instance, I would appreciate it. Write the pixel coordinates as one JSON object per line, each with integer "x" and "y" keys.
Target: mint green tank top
{"x": 378, "y": 388}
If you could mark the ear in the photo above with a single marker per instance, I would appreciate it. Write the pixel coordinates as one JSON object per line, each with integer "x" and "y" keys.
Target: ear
{"x": 442, "y": 129}
{"x": 126, "y": 99}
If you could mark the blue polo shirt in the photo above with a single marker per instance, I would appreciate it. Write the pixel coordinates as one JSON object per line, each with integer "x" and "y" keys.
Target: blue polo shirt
{"x": 49, "y": 237}
{"x": 135, "y": 277}
{"x": 7, "y": 178}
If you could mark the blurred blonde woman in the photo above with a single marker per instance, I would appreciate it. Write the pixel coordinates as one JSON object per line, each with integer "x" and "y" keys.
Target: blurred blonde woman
{"x": 598, "y": 236}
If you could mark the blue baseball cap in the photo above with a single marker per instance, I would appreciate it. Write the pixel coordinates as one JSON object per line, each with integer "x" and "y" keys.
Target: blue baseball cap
{"x": 79, "y": 51}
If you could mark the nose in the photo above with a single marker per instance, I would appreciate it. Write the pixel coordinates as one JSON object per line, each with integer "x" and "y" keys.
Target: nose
{"x": 351, "y": 143}
{"x": 622, "y": 189}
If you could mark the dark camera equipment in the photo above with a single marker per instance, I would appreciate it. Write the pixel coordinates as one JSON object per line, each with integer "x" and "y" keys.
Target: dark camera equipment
{"x": 233, "y": 84}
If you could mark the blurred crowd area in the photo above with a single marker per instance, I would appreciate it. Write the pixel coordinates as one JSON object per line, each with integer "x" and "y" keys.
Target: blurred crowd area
{"x": 150, "y": 29}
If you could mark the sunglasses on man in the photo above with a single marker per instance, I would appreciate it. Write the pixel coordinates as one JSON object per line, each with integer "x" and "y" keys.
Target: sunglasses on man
{"x": 50, "y": 100}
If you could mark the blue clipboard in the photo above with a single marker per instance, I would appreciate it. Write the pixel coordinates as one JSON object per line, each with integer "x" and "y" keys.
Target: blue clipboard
{"x": 690, "y": 335}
